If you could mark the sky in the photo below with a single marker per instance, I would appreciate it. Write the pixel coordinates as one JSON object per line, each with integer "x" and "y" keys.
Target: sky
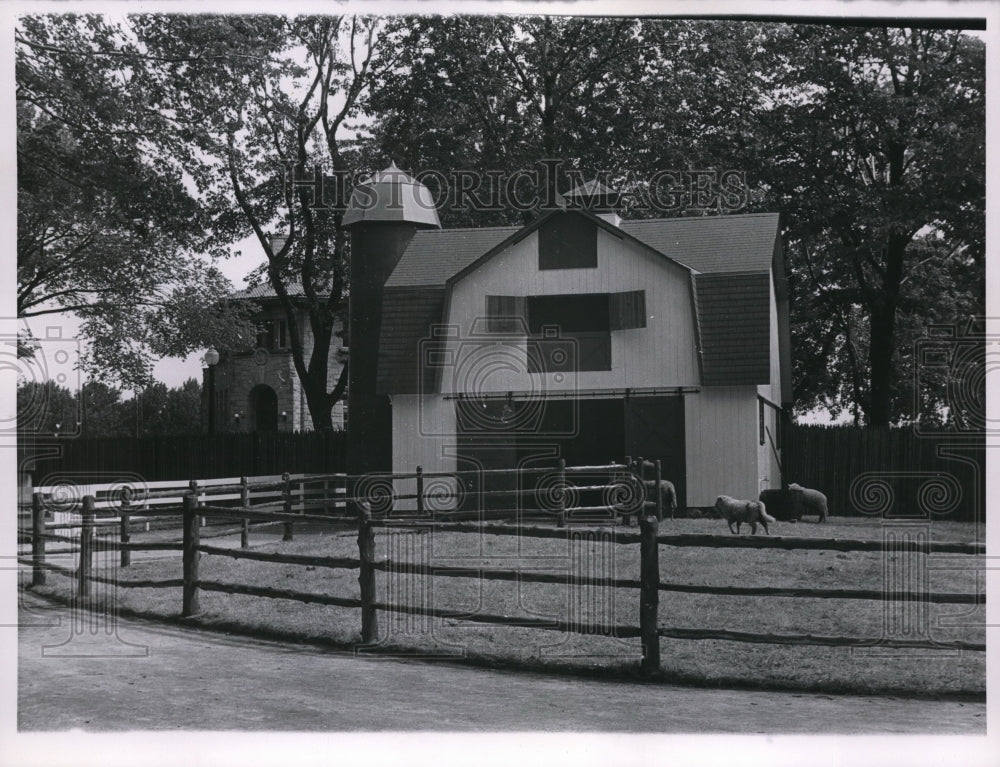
{"x": 172, "y": 371}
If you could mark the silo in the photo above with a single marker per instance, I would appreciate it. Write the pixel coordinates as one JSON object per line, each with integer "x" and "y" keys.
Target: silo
{"x": 385, "y": 211}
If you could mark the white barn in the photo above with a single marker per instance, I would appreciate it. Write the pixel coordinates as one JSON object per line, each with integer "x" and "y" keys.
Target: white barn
{"x": 585, "y": 337}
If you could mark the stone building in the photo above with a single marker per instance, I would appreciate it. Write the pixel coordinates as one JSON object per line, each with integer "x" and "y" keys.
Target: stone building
{"x": 258, "y": 389}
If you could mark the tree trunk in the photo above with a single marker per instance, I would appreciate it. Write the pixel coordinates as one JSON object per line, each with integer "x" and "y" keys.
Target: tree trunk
{"x": 318, "y": 400}
{"x": 314, "y": 383}
{"x": 883, "y": 333}
{"x": 882, "y": 344}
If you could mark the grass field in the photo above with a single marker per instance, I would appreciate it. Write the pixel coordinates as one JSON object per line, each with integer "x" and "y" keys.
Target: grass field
{"x": 708, "y": 662}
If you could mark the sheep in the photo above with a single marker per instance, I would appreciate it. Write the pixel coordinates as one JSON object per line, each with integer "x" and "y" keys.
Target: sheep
{"x": 736, "y": 511}
{"x": 668, "y": 493}
{"x": 813, "y": 500}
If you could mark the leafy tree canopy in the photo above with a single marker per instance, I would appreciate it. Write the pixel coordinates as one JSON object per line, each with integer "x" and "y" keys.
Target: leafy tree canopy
{"x": 98, "y": 410}
{"x": 107, "y": 225}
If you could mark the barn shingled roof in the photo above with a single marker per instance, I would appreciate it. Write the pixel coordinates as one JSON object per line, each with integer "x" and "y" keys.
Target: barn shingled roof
{"x": 405, "y": 365}
{"x": 735, "y": 327}
{"x": 730, "y": 258}
{"x": 739, "y": 243}
{"x": 435, "y": 255}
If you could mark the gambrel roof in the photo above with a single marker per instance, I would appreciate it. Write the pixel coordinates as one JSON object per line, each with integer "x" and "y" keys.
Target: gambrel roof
{"x": 705, "y": 244}
{"x": 730, "y": 259}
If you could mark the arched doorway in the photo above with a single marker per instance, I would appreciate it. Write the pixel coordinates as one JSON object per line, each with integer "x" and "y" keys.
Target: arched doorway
{"x": 264, "y": 407}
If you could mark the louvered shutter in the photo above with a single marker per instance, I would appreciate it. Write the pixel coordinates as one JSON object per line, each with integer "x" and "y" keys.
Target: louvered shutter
{"x": 506, "y": 314}
{"x": 628, "y": 310}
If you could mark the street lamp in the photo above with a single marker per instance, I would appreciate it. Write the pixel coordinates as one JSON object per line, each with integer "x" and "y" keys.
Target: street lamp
{"x": 211, "y": 359}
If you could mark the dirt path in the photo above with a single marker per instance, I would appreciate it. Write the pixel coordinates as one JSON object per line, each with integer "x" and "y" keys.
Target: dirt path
{"x": 152, "y": 677}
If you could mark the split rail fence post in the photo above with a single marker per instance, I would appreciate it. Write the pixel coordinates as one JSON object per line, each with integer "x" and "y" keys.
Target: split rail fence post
{"x": 420, "y": 491}
{"x": 561, "y": 494}
{"x": 649, "y": 593}
{"x": 124, "y": 534}
{"x": 245, "y": 504}
{"x": 366, "y": 574}
{"x": 640, "y": 463}
{"x": 193, "y": 487}
{"x": 37, "y": 540}
{"x": 192, "y": 538}
{"x": 125, "y": 556}
{"x": 659, "y": 491}
{"x": 86, "y": 547}
{"x": 628, "y": 470}
{"x": 286, "y": 493}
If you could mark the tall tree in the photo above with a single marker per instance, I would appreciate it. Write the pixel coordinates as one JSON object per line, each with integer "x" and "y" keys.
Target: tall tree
{"x": 868, "y": 141}
{"x": 878, "y": 144}
{"x": 505, "y": 94}
{"x": 268, "y": 101}
{"x": 107, "y": 228}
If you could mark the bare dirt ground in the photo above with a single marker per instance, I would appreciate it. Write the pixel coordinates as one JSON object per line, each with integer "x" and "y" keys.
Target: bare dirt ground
{"x": 77, "y": 672}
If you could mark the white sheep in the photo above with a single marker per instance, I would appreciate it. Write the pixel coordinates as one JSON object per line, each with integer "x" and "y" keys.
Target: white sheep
{"x": 813, "y": 500}
{"x": 736, "y": 511}
{"x": 669, "y": 494}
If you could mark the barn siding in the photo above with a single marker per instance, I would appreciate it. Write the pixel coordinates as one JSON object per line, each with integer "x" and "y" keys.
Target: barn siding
{"x": 768, "y": 471}
{"x": 661, "y": 354}
{"x": 774, "y": 392}
{"x": 721, "y": 443}
{"x": 423, "y": 434}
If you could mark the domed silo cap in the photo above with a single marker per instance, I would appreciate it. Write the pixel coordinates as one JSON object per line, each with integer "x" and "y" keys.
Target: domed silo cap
{"x": 392, "y": 196}
{"x": 593, "y": 194}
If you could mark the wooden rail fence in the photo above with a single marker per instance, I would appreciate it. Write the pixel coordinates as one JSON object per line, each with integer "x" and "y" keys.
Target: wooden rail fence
{"x": 629, "y": 496}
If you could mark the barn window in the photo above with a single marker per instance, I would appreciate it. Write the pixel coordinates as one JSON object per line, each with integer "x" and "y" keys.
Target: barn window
{"x": 760, "y": 419}
{"x": 567, "y": 241}
{"x": 272, "y": 334}
{"x": 569, "y": 333}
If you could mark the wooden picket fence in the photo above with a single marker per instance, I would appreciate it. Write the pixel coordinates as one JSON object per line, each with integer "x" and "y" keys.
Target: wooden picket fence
{"x": 202, "y": 456}
{"x": 632, "y": 495}
{"x": 838, "y": 459}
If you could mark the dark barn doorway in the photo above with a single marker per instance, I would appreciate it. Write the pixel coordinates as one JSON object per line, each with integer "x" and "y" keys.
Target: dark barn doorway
{"x": 264, "y": 407}
{"x": 654, "y": 430}
{"x": 501, "y": 434}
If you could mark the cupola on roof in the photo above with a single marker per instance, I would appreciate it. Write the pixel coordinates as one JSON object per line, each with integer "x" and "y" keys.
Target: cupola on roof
{"x": 392, "y": 195}
{"x": 593, "y": 195}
